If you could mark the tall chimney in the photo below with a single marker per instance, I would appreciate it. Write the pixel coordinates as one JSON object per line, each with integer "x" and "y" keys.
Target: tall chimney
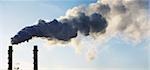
{"x": 10, "y": 57}
{"x": 35, "y": 57}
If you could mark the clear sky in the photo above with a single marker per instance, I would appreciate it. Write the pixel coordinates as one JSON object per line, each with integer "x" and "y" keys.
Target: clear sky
{"x": 16, "y": 14}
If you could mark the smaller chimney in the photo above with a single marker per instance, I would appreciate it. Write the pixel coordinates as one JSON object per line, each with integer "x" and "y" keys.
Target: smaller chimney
{"x": 35, "y": 57}
{"x": 10, "y": 57}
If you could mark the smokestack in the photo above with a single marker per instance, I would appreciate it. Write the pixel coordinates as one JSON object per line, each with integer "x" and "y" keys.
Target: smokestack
{"x": 35, "y": 57}
{"x": 10, "y": 58}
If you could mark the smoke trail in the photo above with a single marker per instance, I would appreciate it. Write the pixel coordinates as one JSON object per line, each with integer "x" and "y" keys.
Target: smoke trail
{"x": 63, "y": 30}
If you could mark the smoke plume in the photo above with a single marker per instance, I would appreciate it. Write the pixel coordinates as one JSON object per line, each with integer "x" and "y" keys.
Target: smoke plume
{"x": 127, "y": 17}
{"x": 64, "y": 29}
{"x": 103, "y": 20}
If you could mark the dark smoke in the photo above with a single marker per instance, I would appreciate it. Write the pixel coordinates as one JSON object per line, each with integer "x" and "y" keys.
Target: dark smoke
{"x": 63, "y": 30}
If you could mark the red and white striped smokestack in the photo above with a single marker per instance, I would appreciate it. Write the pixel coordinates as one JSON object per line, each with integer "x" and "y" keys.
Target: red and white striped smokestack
{"x": 35, "y": 57}
{"x": 10, "y": 62}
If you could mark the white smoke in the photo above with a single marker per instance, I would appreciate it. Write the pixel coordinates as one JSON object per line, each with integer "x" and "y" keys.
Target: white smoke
{"x": 126, "y": 18}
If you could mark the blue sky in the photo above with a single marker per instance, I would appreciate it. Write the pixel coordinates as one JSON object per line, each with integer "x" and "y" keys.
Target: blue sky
{"x": 15, "y": 14}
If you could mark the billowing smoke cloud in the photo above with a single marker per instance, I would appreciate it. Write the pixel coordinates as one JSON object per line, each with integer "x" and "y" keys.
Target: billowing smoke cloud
{"x": 126, "y": 18}
{"x": 64, "y": 29}
{"x": 129, "y": 18}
